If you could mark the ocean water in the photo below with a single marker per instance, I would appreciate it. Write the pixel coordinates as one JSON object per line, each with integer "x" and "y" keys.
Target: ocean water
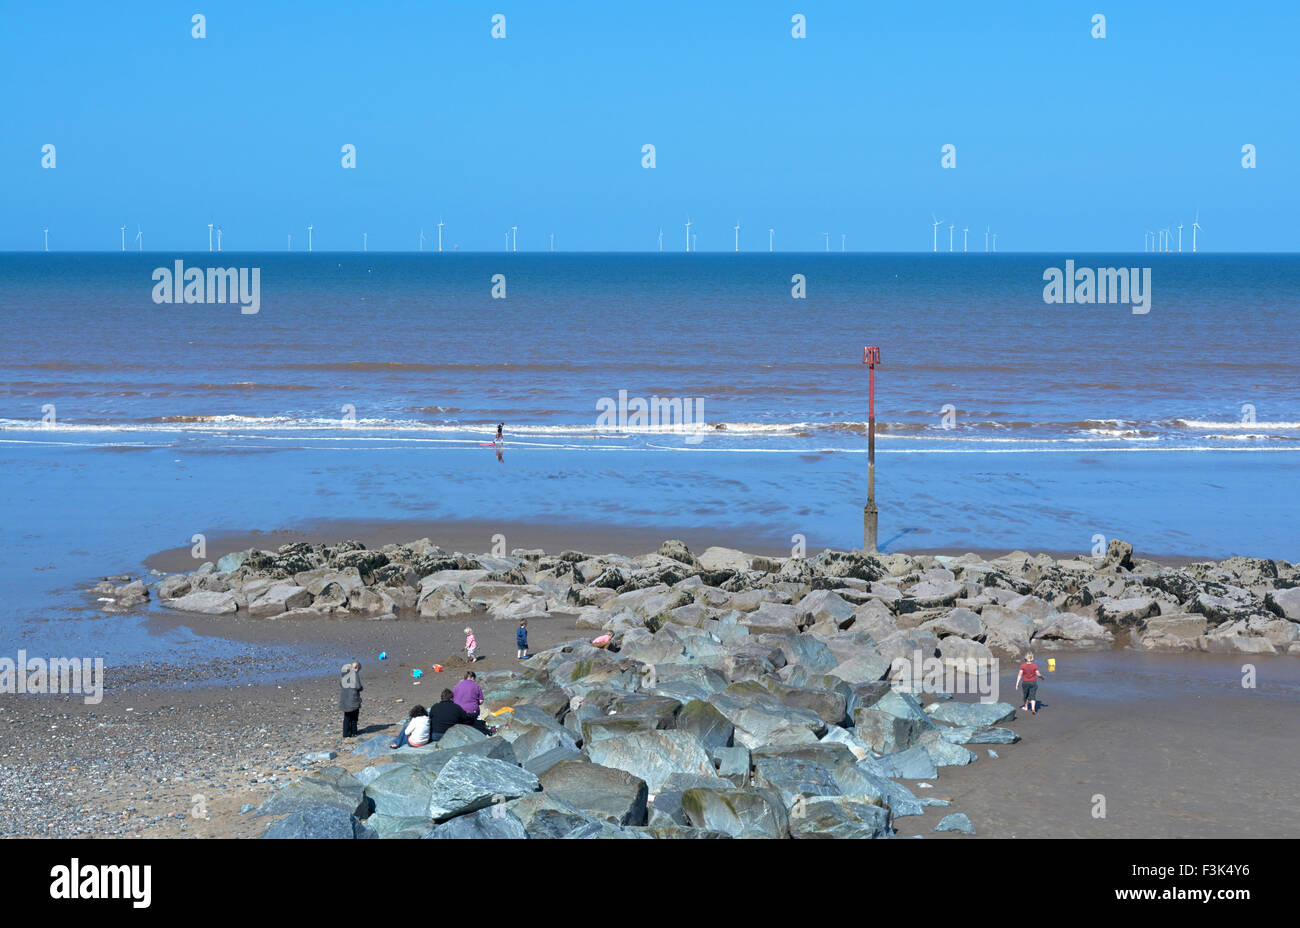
{"x": 366, "y": 387}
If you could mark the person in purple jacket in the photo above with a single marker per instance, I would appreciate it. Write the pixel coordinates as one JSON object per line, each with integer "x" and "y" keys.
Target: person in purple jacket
{"x": 468, "y": 694}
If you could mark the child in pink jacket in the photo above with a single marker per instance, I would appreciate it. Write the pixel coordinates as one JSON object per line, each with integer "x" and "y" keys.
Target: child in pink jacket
{"x": 471, "y": 645}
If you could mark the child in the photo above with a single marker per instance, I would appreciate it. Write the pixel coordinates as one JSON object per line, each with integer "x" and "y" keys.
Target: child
{"x": 350, "y": 696}
{"x": 471, "y": 645}
{"x": 415, "y": 729}
{"x": 1027, "y": 680}
{"x": 521, "y": 640}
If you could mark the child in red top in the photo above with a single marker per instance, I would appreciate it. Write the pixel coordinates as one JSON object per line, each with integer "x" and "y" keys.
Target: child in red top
{"x": 471, "y": 646}
{"x": 1027, "y": 679}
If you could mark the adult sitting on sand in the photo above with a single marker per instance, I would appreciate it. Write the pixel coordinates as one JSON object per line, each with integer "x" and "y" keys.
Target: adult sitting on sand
{"x": 446, "y": 714}
{"x": 415, "y": 729}
{"x": 468, "y": 694}
{"x": 1027, "y": 680}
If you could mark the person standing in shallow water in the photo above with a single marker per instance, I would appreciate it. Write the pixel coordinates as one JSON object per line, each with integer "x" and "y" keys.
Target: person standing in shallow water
{"x": 350, "y": 696}
{"x": 1027, "y": 680}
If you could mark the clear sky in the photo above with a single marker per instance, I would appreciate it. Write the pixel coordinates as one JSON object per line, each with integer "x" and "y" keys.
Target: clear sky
{"x": 1063, "y": 141}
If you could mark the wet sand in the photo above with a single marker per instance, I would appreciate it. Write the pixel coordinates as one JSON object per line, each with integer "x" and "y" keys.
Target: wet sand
{"x": 1174, "y": 743}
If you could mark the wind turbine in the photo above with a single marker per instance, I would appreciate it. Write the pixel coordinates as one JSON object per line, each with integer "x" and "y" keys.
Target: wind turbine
{"x": 124, "y": 238}
{"x": 963, "y": 239}
{"x": 1169, "y": 237}
{"x": 1196, "y": 227}
{"x": 843, "y": 237}
{"x": 309, "y": 237}
{"x": 950, "y": 228}
{"x": 218, "y": 238}
{"x": 688, "y": 233}
{"x": 515, "y": 230}
{"x": 139, "y": 238}
{"x": 363, "y": 242}
{"x": 828, "y": 240}
{"x": 771, "y": 233}
{"x": 986, "y": 240}
{"x": 661, "y": 241}
{"x": 1146, "y": 234}
{"x": 507, "y": 241}
{"x": 736, "y": 228}
{"x": 47, "y": 239}
{"x": 936, "y": 233}
{"x": 421, "y": 244}
{"x": 289, "y": 245}
{"x": 552, "y": 241}
{"x": 1180, "y": 238}
{"x": 209, "y": 236}
{"x": 439, "y": 235}
{"x": 695, "y": 241}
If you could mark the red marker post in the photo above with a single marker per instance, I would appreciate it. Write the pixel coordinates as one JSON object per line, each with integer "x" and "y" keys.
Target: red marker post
{"x": 870, "y": 515}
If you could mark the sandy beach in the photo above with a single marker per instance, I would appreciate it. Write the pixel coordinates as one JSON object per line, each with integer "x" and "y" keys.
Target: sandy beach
{"x": 1173, "y": 742}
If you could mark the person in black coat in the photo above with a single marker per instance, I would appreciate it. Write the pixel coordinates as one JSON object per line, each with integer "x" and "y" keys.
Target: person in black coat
{"x": 350, "y": 696}
{"x": 446, "y": 714}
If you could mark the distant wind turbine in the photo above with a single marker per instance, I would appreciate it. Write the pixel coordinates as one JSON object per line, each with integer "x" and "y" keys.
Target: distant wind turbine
{"x": 124, "y": 238}
{"x": 950, "y": 228}
{"x": 420, "y": 246}
{"x": 843, "y": 237}
{"x": 139, "y": 238}
{"x": 440, "y": 235}
{"x": 736, "y": 228}
{"x": 688, "y": 233}
{"x": 218, "y": 238}
{"x": 963, "y": 239}
{"x": 309, "y": 228}
{"x": 695, "y": 241}
{"x": 1196, "y": 227}
{"x": 209, "y": 236}
{"x": 1180, "y": 238}
{"x": 47, "y": 239}
{"x": 828, "y": 240}
{"x": 936, "y": 233}
{"x": 289, "y": 245}
{"x": 1147, "y": 234}
{"x": 771, "y": 233}
{"x": 552, "y": 241}
{"x": 515, "y": 231}
{"x": 661, "y": 241}
{"x": 363, "y": 242}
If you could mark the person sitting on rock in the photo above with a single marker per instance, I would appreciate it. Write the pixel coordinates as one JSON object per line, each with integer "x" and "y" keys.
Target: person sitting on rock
{"x": 415, "y": 729}
{"x": 446, "y": 714}
{"x": 468, "y": 694}
{"x": 1027, "y": 680}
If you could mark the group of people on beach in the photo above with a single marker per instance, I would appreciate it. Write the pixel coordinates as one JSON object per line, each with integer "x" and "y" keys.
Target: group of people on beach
{"x": 460, "y": 705}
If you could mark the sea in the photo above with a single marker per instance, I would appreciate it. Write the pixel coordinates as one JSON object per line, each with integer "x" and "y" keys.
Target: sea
{"x": 709, "y": 390}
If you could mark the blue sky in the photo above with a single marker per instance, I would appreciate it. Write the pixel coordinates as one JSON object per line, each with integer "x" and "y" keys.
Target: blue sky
{"x": 1064, "y": 142}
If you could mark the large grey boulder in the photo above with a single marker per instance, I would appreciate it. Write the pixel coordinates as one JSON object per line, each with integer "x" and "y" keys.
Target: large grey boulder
{"x": 667, "y": 804}
{"x": 402, "y": 793}
{"x": 1285, "y": 603}
{"x": 653, "y": 756}
{"x": 841, "y": 817}
{"x": 794, "y": 777}
{"x": 710, "y": 727}
{"x": 957, "y": 821}
{"x": 741, "y": 813}
{"x": 546, "y": 815}
{"x": 204, "y": 601}
{"x": 329, "y": 786}
{"x": 761, "y": 721}
{"x": 494, "y": 822}
{"x": 279, "y": 599}
{"x": 317, "y": 823}
{"x": 974, "y": 714}
{"x": 914, "y": 763}
{"x": 470, "y": 782}
{"x": 970, "y": 735}
{"x": 599, "y": 791}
